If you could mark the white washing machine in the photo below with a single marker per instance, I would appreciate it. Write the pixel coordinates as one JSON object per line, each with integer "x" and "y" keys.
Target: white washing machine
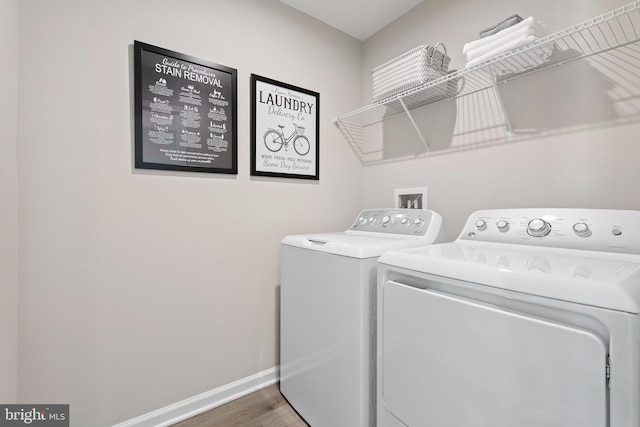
{"x": 327, "y": 313}
{"x": 529, "y": 319}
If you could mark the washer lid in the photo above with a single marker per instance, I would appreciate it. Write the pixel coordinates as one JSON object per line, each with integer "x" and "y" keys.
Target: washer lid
{"x": 350, "y": 244}
{"x": 598, "y": 279}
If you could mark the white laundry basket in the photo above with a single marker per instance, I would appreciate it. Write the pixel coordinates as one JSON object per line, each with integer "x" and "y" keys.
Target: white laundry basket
{"x": 409, "y": 70}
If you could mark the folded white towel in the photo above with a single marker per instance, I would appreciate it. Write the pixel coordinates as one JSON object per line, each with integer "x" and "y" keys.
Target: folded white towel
{"x": 540, "y": 53}
{"x": 530, "y": 23}
{"x": 507, "y": 38}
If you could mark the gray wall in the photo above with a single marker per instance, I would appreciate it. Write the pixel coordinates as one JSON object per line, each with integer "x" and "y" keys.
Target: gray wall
{"x": 8, "y": 201}
{"x": 577, "y": 152}
{"x": 141, "y": 289}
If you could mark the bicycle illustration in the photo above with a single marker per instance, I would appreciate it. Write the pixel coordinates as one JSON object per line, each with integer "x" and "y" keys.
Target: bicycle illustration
{"x": 275, "y": 139}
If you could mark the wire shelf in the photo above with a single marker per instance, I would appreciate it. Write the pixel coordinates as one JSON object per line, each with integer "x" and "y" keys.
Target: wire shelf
{"x": 617, "y": 30}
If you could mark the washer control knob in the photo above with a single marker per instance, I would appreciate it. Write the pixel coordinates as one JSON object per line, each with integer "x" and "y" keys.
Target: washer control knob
{"x": 538, "y": 227}
{"x": 481, "y": 224}
{"x": 404, "y": 221}
{"x": 418, "y": 222}
{"x": 502, "y": 225}
{"x": 386, "y": 221}
{"x": 371, "y": 220}
{"x": 581, "y": 229}
{"x": 362, "y": 220}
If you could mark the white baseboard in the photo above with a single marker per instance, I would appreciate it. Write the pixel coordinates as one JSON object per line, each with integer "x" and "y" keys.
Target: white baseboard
{"x": 203, "y": 402}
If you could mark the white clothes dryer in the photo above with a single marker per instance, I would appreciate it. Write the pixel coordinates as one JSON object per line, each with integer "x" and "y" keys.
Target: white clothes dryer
{"x": 531, "y": 318}
{"x": 327, "y": 313}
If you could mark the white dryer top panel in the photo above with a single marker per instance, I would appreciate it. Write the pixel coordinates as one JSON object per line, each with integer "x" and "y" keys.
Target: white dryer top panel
{"x": 603, "y": 272}
{"x": 588, "y": 229}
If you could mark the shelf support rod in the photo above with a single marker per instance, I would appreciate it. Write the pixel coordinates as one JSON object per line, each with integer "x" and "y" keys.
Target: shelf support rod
{"x": 415, "y": 126}
{"x": 503, "y": 111}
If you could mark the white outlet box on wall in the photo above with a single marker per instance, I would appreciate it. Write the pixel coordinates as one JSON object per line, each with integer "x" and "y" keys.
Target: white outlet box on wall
{"x": 411, "y": 198}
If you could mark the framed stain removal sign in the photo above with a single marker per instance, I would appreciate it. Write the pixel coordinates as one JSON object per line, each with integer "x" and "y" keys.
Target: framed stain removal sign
{"x": 285, "y": 133}
{"x": 185, "y": 112}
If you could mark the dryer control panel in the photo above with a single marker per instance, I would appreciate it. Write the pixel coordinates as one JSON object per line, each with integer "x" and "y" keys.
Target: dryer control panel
{"x": 588, "y": 229}
{"x": 409, "y": 222}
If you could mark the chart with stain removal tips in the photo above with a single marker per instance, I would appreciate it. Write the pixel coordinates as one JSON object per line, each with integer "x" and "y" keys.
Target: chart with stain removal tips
{"x": 185, "y": 112}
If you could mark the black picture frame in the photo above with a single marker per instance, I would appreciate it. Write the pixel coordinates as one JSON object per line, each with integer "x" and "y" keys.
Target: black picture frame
{"x": 285, "y": 130}
{"x": 185, "y": 112}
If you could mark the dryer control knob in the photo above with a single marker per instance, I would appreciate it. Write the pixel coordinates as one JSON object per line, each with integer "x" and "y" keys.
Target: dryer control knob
{"x": 386, "y": 220}
{"x": 404, "y": 221}
{"x": 418, "y": 222}
{"x": 538, "y": 227}
{"x": 502, "y": 225}
{"x": 581, "y": 229}
{"x": 362, "y": 220}
{"x": 481, "y": 224}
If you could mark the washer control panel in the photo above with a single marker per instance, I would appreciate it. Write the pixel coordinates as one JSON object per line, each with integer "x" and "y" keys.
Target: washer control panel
{"x": 588, "y": 229}
{"x": 409, "y": 222}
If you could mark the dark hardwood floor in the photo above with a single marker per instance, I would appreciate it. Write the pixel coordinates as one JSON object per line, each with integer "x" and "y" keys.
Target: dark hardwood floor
{"x": 263, "y": 408}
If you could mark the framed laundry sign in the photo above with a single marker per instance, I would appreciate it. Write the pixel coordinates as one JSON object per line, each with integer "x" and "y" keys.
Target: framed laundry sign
{"x": 285, "y": 133}
{"x": 185, "y": 112}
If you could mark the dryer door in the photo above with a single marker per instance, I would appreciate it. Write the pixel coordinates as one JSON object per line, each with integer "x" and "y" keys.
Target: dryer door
{"x": 449, "y": 361}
